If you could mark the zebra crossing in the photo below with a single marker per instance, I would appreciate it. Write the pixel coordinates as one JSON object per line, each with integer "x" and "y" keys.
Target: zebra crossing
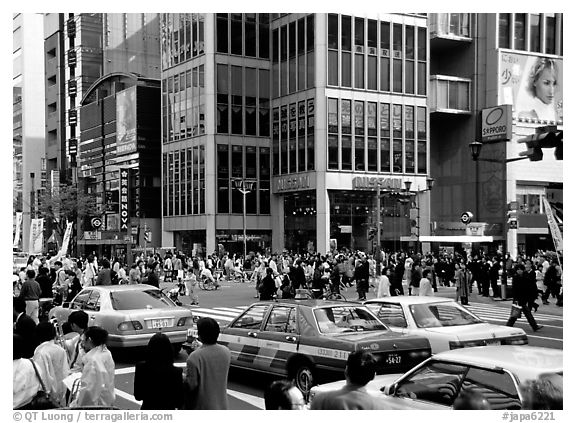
{"x": 487, "y": 312}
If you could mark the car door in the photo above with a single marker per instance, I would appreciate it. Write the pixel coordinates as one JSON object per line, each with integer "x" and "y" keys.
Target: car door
{"x": 279, "y": 339}
{"x": 243, "y": 334}
{"x": 391, "y": 314}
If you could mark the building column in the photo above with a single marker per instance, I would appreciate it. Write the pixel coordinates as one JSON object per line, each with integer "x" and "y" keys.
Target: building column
{"x": 277, "y": 220}
{"x": 511, "y": 235}
{"x": 320, "y": 131}
{"x": 210, "y": 138}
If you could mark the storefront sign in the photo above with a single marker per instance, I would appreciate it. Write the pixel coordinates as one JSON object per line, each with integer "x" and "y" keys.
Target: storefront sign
{"x": 92, "y": 235}
{"x": 293, "y": 183}
{"x": 364, "y": 182}
{"x": 497, "y": 123}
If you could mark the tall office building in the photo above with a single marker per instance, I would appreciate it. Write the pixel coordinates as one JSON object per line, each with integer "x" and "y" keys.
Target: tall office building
{"x": 28, "y": 115}
{"x": 481, "y": 61}
{"x": 315, "y": 110}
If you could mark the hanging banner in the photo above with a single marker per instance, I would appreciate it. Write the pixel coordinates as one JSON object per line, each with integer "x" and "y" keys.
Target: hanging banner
{"x": 66, "y": 240}
{"x": 36, "y": 236}
{"x": 124, "y": 200}
{"x": 18, "y": 222}
{"x": 553, "y": 225}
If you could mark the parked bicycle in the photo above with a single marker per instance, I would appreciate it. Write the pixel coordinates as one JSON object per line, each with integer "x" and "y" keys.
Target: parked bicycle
{"x": 325, "y": 294}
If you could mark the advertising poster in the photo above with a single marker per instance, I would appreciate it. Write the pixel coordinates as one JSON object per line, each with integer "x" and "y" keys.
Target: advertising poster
{"x": 16, "y": 240}
{"x": 36, "y": 236}
{"x": 126, "y": 121}
{"x": 533, "y": 86}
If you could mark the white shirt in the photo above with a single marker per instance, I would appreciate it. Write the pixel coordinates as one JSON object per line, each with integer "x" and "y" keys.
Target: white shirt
{"x": 25, "y": 384}
{"x": 426, "y": 287}
{"x": 52, "y": 362}
{"x": 383, "y": 286}
{"x": 97, "y": 380}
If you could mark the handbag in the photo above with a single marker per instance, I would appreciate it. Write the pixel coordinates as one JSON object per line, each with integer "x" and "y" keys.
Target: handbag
{"x": 516, "y": 311}
{"x": 43, "y": 400}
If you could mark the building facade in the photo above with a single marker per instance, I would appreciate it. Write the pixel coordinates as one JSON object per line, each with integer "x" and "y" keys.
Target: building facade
{"x": 29, "y": 166}
{"x": 480, "y": 61}
{"x": 317, "y": 110}
{"x": 119, "y": 159}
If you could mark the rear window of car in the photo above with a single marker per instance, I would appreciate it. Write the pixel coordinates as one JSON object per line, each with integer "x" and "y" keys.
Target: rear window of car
{"x": 334, "y": 320}
{"x": 134, "y": 300}
{"x": 437, "y": 315}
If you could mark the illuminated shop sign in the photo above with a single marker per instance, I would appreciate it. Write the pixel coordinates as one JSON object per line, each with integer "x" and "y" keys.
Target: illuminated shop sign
{"x": 365, "y": 182}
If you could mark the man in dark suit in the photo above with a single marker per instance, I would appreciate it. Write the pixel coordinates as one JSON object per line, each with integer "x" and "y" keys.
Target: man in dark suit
{"x": 24, "y": 326}
{"x": 522, "y": 297}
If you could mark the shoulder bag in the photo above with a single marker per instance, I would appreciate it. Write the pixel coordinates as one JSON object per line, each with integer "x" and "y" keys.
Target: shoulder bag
{"x": 43, "y": 399}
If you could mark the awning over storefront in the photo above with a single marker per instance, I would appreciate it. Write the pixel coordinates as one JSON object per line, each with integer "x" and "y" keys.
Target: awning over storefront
{"x": 457, "y": 238}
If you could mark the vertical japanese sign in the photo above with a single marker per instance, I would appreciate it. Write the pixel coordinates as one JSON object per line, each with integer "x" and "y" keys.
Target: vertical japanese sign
{"x": 554, "y": 228}
{"x": 124, "y": 200}
{"x": 66, "y": 239}
{"x": 36, "y": 236}
{"x": 18, "y": 225}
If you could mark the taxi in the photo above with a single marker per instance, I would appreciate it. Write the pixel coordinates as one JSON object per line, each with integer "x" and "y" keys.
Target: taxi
{"x": 310, "y": 340}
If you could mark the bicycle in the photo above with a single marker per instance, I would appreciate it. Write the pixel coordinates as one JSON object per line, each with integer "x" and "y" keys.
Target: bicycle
{"x": 314, "y": 294}
{"x": 207, "y": 284}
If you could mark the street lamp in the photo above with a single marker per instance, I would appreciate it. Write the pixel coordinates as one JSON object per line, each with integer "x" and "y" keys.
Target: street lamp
{"x": 407, "y": 193}
{"x": 476, "y": 148}
{"x": 245, "y": 186}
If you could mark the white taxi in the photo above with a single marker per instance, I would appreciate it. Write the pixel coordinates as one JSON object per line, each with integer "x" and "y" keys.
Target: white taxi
{"x": 446, "y": 324}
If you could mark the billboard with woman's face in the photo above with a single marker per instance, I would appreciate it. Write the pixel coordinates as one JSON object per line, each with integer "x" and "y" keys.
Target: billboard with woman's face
{"x": 126, "y": 121}
{"x": 533, "y": 85}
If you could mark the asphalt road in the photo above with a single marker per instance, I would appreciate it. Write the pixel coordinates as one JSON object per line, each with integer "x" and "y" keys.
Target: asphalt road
{"x": 245, "y": 389}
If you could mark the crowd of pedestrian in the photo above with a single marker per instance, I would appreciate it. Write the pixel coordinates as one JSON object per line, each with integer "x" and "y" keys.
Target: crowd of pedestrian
{"x": 46, "y": 355}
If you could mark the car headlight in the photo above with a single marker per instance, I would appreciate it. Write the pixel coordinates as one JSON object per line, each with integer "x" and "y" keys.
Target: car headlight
{"x": 130, "y": 325}
{"x": 185, "y": 321}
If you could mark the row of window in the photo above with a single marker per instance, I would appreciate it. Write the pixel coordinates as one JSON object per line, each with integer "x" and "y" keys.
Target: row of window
{"x": 373, "y": 55}
{"x": 182, "y": 37}
{"x": 184, "y": 176}
{"x": 530, "y": 32}
{"x": 183, "y": 108}
{"x": 243, "y": 162}
{"x": 363, "y": 138}
{"x": 293, "y": 57}
{"x": 293, "y": 137}
{"x": 243, "y": 34}
{"x": 243, "y": 100}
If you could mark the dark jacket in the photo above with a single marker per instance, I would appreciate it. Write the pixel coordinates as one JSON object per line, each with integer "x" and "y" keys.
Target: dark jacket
{"x": 104, "y": 277}
{"x": 153, "y": 279}
{"x": 45, "y": 285}
{"x": 26, "y": 328}
{"x": 521, "y": 289}
{"x": 158, "y": 388}
{"x": 267, "y": 288}
{"x": 297, "y": 276}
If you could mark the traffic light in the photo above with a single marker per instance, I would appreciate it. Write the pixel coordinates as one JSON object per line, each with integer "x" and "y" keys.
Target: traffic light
{"x": 371, "y": 233}
{"x": 545, "y": 137}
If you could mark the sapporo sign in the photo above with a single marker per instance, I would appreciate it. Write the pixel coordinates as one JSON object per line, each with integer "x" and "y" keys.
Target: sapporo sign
{"x": 496, "y": 123}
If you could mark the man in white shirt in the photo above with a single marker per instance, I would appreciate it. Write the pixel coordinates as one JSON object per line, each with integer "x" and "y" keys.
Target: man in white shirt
{"x": 426, "y": 284}
{"x": 383, "y": 284}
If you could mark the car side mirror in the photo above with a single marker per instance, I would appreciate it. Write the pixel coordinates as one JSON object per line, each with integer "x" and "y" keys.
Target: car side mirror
{"x": 390, "y": 389}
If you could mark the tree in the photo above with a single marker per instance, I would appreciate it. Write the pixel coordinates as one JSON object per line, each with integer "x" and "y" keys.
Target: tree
{"x": 67, "y": 204}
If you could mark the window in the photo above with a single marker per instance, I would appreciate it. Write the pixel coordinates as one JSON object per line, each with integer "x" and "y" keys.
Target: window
{"x": 372, "y": 155}
{"x": 535, "y": 33}
{"x": 520, "y": 31}
{"x": 333, "y": 115}
{"x": 359, "y": 117}
{"x": 223, "y": 179}
{"x": 397, "y": 58}
{"x": 460, "y": 24}
{"x": 389, "y": 313}
{"x": 384, "y": 137}
{"x": 333, "y": 31}
{"x": 410, "y": 56}
{"x": 282, "y": 319}
{"x": 80, "y": 300}
{"x": 264, "y": 180}
{"x": 346, "y": 153}
{"x": 384, "y": 56}
{"x": 436, "y": 382}
{"x": 135, "y": 300}
{"x": 346, "y": 33}
{"x": 497, "y": 387}
{"x": 346, "y": 114}
{"x": 333, "y": 152}
{"x": 222, "y": 33}
{"x": 504, "y": 30}
{"x": 236, "y": 38}
{"x": 251, "y": 318}
{"x": 422, "y": 55}
{"x": 550, "y": 33}
{"x": 359, "y": 154}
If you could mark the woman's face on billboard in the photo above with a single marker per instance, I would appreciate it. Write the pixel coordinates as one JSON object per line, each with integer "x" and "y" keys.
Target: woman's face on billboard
{"x": 545, "y": 86}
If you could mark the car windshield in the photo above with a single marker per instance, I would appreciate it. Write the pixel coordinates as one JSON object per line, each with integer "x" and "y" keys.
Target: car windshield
{"x": 435, "y": 315}
{"x": 340, "y": 319}
{"x": 145, "y": 299}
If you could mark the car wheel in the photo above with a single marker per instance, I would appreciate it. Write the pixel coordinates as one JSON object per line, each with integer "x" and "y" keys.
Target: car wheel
{"x": 305, "y": 378}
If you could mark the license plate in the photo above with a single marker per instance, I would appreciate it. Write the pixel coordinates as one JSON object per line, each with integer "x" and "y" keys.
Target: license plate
{"x": 393, "y": 359}
{"x": 159, "y": 323}
{"x": 492, "y": 342}
{"x": 192, "y": 333}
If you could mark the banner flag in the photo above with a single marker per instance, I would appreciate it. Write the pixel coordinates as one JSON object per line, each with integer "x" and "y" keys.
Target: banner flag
{"x": 17, "y": 230}
{"x": 36, "y": 236}
{"x": 66, "y": 239}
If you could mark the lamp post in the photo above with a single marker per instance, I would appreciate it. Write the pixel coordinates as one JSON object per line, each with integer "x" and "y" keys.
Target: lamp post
{"x": 245, "y": 186}
{"x": 429, "y": 185}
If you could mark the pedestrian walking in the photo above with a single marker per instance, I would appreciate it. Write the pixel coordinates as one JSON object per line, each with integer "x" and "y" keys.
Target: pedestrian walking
{"x": 31, "y": 293}
{"x": 24, "y": 326}
{"x": 425, "y": 288}
{"x": 96, "y": 386}
{"x": 207, "y": 370}
{"x": 157, "y": 382}
{"x": 521, "y": 298}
